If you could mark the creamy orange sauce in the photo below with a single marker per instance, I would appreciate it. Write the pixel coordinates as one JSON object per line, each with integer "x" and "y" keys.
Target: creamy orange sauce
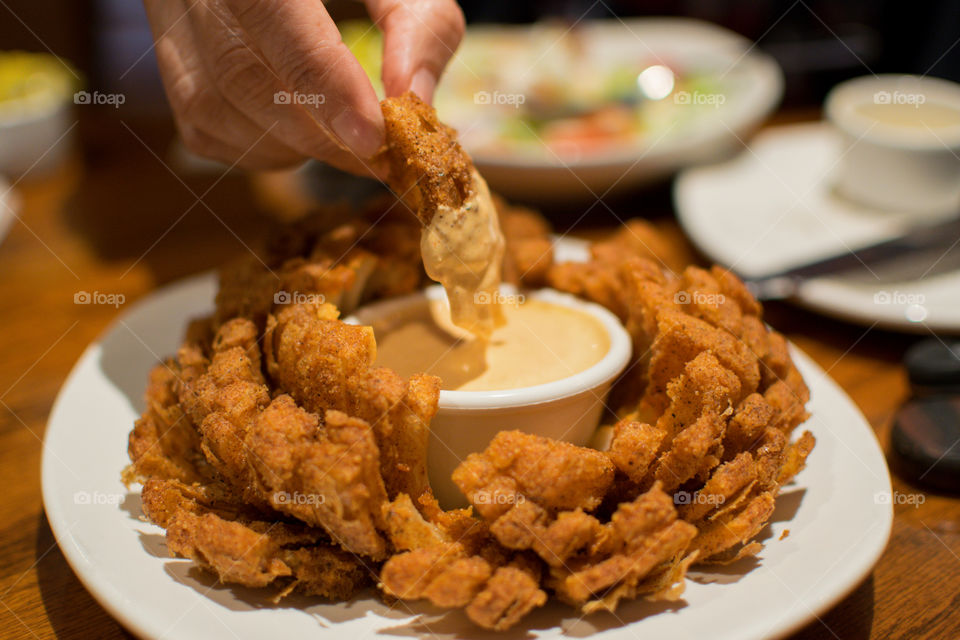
{"x": 540, "y": 342}
{"x": 462, "y": 249}
{"x": 927, "y": 114}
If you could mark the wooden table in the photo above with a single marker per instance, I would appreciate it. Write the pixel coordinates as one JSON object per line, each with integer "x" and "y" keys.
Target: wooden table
{"x": 118, "y": 221}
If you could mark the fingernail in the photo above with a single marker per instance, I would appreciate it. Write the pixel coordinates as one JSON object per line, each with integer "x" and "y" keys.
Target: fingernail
{"x": 423, "y": 84}
{"x": 359, "y": 134}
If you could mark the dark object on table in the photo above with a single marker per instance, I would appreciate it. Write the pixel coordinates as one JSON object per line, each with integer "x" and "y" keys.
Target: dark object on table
{"x": 925, "y": 439}
{"x": 934, "y": 367}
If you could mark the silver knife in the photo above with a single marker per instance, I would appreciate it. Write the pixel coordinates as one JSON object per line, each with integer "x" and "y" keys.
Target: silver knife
{"x": 920, "y": 252}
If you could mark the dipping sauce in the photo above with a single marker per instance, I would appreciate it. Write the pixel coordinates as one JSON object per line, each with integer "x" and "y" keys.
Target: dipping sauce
{"x": 927, "y": 114}
{"x": 540, "y": 342}
{"x": 462, "y": 249}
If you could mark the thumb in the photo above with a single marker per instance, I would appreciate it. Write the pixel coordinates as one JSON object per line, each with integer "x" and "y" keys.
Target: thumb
{"x": 419, "y": 38}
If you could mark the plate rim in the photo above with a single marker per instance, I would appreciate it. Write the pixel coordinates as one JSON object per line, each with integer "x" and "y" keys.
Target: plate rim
{"x": 103, "y": 591}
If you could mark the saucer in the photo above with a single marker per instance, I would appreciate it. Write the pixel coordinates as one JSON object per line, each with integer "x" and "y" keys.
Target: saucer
{"x": 773, "y": 207}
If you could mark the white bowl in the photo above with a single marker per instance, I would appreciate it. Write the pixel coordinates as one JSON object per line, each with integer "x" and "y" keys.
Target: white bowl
{"x": 567, "y": 409}
{"x": 36, "y": 143}
{"x": 893, "y": 167}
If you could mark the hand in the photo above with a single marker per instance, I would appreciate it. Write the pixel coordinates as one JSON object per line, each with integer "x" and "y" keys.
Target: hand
{"x": 225, "y": 64}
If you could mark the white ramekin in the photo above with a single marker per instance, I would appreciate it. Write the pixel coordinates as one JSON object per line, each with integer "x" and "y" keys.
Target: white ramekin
{"x": 567, "y": 409}
{"x": 893, "y": 168}
{"x": 38, "y": 142}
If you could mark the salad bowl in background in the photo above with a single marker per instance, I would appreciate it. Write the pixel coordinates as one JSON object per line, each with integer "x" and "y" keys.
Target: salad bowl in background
{"x": 36, "y": 123}
{"x": 551, "y": 112}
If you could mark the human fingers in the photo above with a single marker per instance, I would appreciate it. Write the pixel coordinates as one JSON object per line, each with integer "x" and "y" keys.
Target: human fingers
{"x": 420, "y": 37}
{"x": 208, "y": 124}
{"x": 302, "y": 45}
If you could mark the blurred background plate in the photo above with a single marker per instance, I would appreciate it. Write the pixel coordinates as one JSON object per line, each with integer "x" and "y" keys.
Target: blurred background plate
{"x": 773, "y": 208}
{"x": 553, "y": 112}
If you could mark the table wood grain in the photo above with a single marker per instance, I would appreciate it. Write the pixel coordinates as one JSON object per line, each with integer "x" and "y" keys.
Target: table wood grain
{"x": 117, "y": 220}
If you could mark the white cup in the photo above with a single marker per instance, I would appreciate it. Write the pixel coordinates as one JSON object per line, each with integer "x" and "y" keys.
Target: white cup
{"x": 567, "y": 409}
{"x": 901, "y": 142}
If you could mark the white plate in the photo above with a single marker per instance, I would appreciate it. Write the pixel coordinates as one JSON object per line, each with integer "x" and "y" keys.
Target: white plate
{"x": 838, "y": 513}
{"x": 773, "y": 207}
{"x": 751, "y": 83}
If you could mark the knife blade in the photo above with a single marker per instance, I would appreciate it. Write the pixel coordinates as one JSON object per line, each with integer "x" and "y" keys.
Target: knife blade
{"x": 920, "y": 252}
